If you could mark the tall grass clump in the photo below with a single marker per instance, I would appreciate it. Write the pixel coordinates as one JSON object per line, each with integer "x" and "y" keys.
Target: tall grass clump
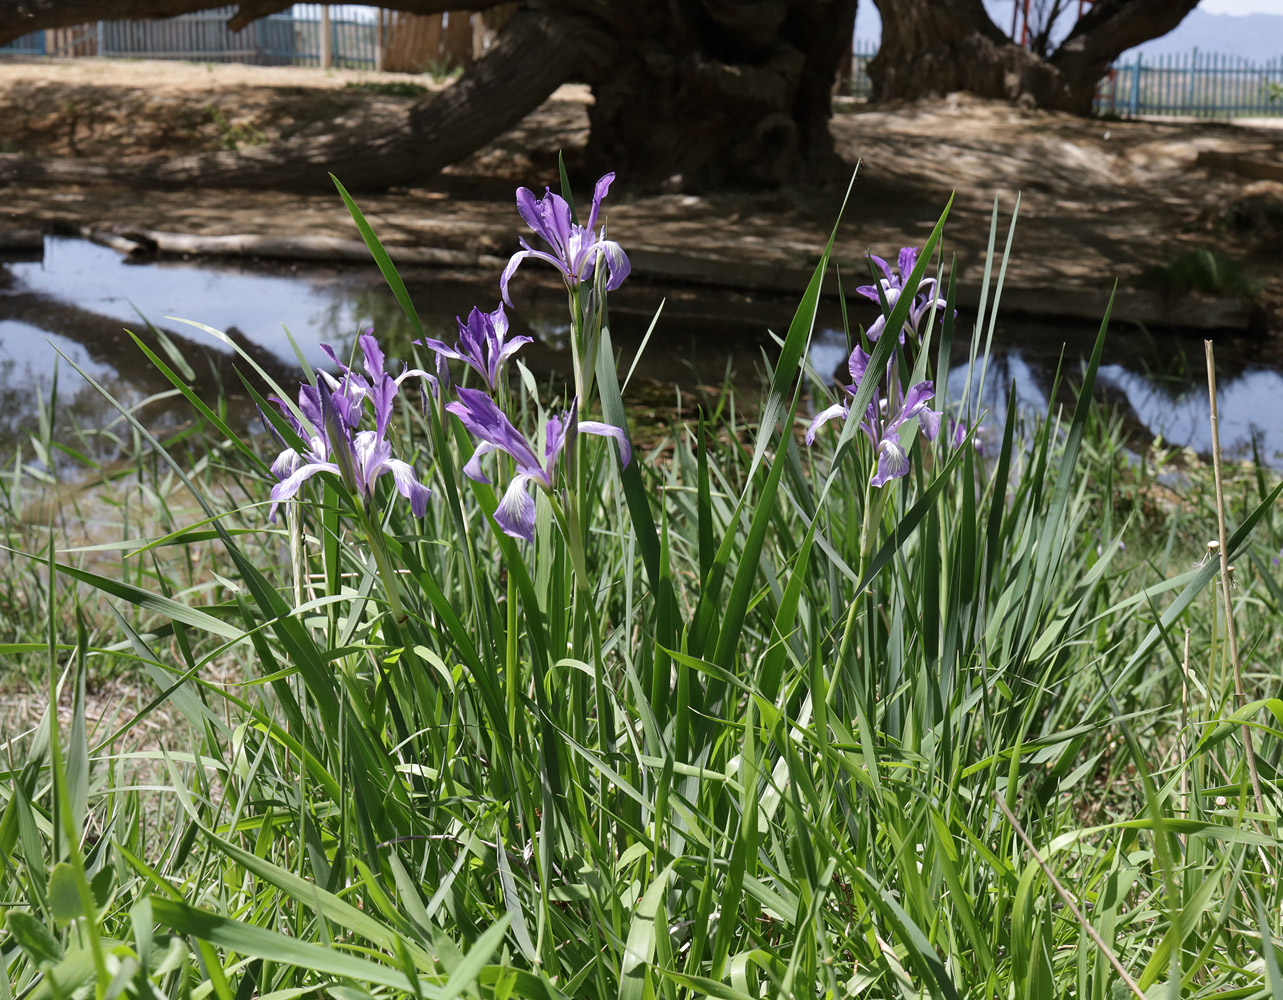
{"x": 478, "y": 700}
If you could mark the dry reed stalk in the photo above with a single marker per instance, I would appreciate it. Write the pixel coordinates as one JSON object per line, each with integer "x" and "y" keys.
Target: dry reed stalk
{"x": 1069, "y": 901}
{"x": 1230, "y": 630}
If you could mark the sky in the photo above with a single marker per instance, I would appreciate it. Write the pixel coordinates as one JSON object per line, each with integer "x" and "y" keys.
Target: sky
{"x": 869, "y": 25}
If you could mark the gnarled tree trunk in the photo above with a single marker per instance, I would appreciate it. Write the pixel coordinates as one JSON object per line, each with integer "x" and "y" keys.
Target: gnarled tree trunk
{"x": 932, "y": 47}
{"x": 710, "y": 92}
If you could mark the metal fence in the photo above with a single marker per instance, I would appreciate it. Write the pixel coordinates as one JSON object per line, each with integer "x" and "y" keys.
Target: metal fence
{"x": 292, "y": 38}
{"x": 862, "y": 52}
{"x": 1199, "y": 84}
{"x": 28, "y": 45}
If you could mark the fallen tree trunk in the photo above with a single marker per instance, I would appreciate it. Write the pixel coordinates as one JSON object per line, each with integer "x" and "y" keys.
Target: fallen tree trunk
{"x": 22, "y": 245}
{"x": 135, "y": 242}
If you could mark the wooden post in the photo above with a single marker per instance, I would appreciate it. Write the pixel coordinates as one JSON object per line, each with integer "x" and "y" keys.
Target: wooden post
{"x": 380, "y": 45}
{"x": 327, "y": 39}
{"x": 458, "y": 38}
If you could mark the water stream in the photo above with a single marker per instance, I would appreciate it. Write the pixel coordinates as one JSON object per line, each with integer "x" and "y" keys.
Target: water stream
{"x": 71, "y": 308}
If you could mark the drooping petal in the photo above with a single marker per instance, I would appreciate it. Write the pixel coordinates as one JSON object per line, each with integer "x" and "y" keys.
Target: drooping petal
{"x": 408, "y": 372}
{"x": 599, "y": 192}
{"x": 408, "y": 485}
{"x": 893, "y": 462}
{"x": 472, "y": 469}
{"x": 610, "y": 431}
{"x": 929, "y": 421}
{"x": 288, "y": 488}
{"x": 876, "y": 329}
{"x": 440, "y": 347}
{"x": 509, "y": 270}
{"x": 515, "y": 261}
{"x": 617, "y": 266}
{"x": 515, "y": 514}
{"x": 286, "y": 464}
{"x": 509, "y": 349}
{"x": 823, "y": 417}
{"x": 915, "y": 405}
{"x": 483, "y": 419}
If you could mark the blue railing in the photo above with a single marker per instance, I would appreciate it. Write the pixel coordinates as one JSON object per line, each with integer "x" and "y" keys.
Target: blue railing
{"x": 1197, "y": 84}
{"x": 28, "y": 45}
{"x": 293, "y": 38}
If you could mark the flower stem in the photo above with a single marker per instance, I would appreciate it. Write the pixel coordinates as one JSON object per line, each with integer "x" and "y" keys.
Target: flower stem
{"x": 384, "y": 562}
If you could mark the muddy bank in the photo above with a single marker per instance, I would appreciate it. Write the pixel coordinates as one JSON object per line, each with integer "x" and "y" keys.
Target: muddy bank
{"x": 1099, "y": 201}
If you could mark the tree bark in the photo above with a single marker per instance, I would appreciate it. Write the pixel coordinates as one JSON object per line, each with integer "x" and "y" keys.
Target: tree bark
{"x": 712, "y": 92}
{"x": 933, "y": 47}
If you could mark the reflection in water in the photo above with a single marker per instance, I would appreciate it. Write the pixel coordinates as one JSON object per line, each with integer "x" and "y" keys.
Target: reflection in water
{"x": 81, "y": 297}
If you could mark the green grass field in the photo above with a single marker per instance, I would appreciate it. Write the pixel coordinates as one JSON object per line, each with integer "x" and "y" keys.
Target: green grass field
{"x": 737, "y": 723}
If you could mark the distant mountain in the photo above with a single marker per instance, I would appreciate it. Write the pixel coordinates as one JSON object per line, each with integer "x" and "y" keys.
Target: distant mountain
{"x": 1255, "y": 37}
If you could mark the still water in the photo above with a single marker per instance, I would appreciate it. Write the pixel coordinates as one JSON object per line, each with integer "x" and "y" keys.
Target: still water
{"x": 71, "y": 308}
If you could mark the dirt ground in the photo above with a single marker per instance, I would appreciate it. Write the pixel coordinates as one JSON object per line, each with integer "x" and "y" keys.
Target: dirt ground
{"x": 1099, "y": 199}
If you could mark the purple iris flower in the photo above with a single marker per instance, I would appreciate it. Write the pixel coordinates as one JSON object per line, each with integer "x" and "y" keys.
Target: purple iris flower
{"x": 515, "y": 514}
{"x": 958, "y": 431}
{"x": 317, "y": 448}
{"x": 483, "y": 344}
{"x": 575, "y": 249}
{"x": 892, "y": 284}
{"x": 349, "y": 393}
{"x": 334, "y": 408}
{"x": 880, "y": 425}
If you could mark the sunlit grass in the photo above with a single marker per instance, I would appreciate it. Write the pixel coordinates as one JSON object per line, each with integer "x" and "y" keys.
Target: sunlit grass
{"x": 759, "y": 755}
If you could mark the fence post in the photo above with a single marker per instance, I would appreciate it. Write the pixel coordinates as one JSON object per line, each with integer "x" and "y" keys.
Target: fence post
{"x": 327, "y": 42}
{"x": 1133, "y": 108}
{"x": 380, "y": 45}
{"x": 1193, "y": 81}
{"x": 102, "y": 39}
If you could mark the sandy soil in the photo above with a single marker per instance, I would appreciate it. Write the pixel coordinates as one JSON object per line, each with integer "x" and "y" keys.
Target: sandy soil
{"x": 1099, "y": 199}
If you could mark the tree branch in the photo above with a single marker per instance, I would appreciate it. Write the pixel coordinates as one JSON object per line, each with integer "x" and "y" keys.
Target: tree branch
{"x": 251, "y": 10}
{"x": 1112, "y": 27}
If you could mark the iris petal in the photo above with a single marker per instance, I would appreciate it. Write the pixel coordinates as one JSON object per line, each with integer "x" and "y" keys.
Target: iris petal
{"x": 515, "y": 514}
{"x": 823, "y": 417}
